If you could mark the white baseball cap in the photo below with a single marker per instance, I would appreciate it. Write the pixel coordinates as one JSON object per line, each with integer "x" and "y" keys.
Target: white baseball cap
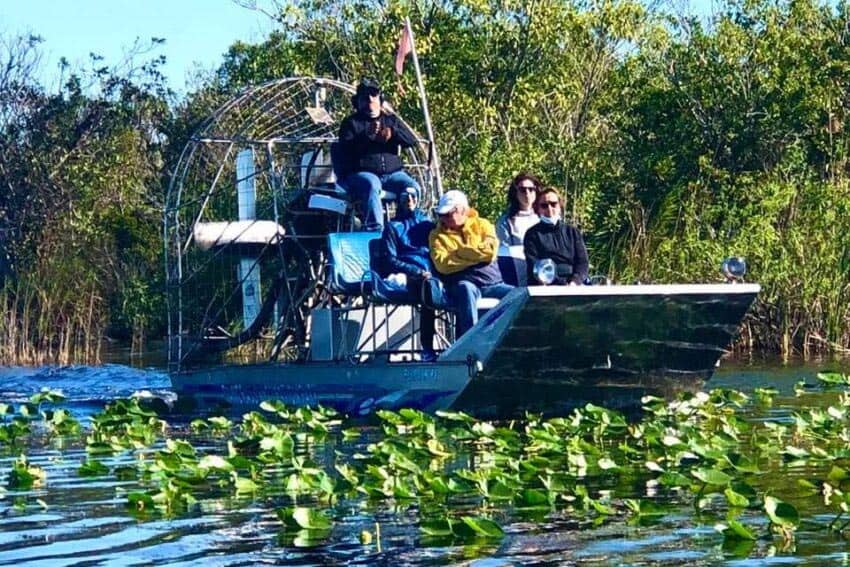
{"x": 451, "y": 200}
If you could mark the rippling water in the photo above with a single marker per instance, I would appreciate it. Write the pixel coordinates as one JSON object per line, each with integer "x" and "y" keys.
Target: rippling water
{"x": 85, "y": 521}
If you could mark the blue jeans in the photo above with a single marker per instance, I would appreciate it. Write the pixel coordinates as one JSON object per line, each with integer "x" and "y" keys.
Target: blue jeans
{"x": 366, "y": 187}
{"x": 465, "y": 296}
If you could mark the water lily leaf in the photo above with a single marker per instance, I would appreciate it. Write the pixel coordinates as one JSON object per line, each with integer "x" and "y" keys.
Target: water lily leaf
{"x": 279, "y": 443}
{"x": 457, "y": 486}
{"x": 414, "y": 417}
{"x": 348, "y": 473}
{"x": 441, "y": 527}
{"x": 500, "y": 491}
{"x": 741, "y": 463}
{"x": 606, "y": 464}
{"x": 711, "y": 476}
{"x": 456, "y": 416}
{"x": 833, "y": 378}
{"x": 220, "y": 423}
{"x": 296, "y": 483}
{"x": 836, "y": 413}
{"x": 837, "y": 474}
{"x": 484, "y": 429}
{"x": 437, "y": 449}
{"x": 243, "y": 485}
{"x": 671, "y": 441}
{"x": 390, "y": 417}
{"x": 706, "y": 451}
{"x": 286, "y": 517}
{"x": 644, "y": 508}
{"x": 214, "y": 462}
{"x": 744, "y": 490}
{"x": 674, "y": 479}
{"x": 311, "y": 519}
{"x": 92, "y": 468}
{"x": 532, "y": 498}
{"x": 350, "y": 433}
{"x": 794, "y": 452}
{"x": 99, "y": 448}
{"x": 781, "y": 513}
{"x": 735, "y": 499}
{"x": 654, "y": 467}
{"x": 126, "y": 472}
{"x": 274, "y": 406}
{"x": 140, "y": 501}
{"x": 24, "y": 476}
{"x": 602, "y": 508}
{"x": 403, "y": 491}
{"x": 483, "y": 527}
{"x": 733, "y": 529}
{"x": 808, "y": 486}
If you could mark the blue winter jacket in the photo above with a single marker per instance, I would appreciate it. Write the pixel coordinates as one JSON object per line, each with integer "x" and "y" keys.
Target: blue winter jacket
{"x": 404, "y": 246}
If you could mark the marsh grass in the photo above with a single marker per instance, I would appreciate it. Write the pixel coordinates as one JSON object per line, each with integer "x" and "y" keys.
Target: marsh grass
{"x": 46, "y": 323}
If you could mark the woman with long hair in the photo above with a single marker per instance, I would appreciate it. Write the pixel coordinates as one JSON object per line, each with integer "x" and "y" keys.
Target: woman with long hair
{"x": 519, "y": 216}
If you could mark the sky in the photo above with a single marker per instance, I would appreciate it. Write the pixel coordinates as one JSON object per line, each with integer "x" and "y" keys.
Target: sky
{"x": 196, "y": 32}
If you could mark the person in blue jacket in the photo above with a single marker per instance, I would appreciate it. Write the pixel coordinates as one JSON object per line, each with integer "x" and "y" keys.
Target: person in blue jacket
{"x": 404, "y": 260}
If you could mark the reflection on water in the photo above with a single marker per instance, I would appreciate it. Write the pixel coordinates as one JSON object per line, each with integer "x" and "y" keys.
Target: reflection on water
{"x": 85, "y": 521}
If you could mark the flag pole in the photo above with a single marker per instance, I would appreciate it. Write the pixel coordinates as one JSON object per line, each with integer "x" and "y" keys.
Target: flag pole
{"x": 430, "y": 131}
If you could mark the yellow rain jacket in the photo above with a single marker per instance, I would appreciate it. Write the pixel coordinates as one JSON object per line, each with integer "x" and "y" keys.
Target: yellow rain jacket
{"x": 467, "y": 253}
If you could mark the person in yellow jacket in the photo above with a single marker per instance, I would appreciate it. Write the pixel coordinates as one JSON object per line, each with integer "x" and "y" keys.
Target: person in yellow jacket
{"x": 463, "y": 250}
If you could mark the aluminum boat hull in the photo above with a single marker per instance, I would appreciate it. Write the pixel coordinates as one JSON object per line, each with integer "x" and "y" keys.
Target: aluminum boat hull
{"x": 542, "y": 349}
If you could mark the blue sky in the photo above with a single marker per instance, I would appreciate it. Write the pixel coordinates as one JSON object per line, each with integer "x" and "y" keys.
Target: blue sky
{"x": 197, "y": 32}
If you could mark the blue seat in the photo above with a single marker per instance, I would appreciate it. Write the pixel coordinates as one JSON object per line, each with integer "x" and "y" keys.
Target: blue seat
{"x": 349, "y": 262}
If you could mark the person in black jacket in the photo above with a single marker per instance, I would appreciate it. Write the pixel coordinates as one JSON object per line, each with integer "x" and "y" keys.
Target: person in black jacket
{"x": 554, "y": 239}
{"x": 371, "y": 140}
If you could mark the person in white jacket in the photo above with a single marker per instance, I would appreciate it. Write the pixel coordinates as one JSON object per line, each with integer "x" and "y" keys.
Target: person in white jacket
{"x": 513, "y": 224}
{"x": 519, "y": 216}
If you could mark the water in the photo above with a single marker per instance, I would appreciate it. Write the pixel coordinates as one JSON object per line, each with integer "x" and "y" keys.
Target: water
{"x": 72, "y": 520}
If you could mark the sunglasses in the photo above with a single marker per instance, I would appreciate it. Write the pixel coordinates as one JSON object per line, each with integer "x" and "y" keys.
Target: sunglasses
{"x": 527, "y": 188}
{"x": 548, "y": 204}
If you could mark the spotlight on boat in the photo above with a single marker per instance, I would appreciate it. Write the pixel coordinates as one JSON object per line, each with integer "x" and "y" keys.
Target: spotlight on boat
{"x": 544, "y": 271}
{"x": 733, "y": 269}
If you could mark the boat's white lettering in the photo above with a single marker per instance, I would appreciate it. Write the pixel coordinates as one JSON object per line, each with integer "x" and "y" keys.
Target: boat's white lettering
{"x": 419, "y": 374}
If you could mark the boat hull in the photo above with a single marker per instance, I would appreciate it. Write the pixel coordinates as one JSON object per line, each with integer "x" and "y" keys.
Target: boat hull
{"x": 352, "y": 389}
{"x": 542, "y": 350}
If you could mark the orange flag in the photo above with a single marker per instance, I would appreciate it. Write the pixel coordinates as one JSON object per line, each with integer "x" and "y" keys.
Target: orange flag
{"x": 405, "y": 47}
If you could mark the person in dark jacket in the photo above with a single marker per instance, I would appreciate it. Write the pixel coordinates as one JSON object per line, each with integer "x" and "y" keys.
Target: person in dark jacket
{"x": 403, "y": 251}
{"x": 554, "y": 239}
{"x": 371, "y": 140}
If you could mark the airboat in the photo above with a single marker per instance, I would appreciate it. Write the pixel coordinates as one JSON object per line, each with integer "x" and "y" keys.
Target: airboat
{"x": 270, "y": 294}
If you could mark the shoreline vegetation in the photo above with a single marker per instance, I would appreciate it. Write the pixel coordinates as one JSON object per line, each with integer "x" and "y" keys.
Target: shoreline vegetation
{"x": 678, "y": 140}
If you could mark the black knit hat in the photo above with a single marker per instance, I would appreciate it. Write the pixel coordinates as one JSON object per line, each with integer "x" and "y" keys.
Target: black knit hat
{"x": 368, "y": 85}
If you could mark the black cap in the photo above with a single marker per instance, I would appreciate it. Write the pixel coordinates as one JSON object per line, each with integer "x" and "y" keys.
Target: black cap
{"x": 368, "y": 85}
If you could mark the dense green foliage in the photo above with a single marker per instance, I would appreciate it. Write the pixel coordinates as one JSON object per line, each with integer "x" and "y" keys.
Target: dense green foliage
{"x": 676, "y": 142}
{"x": 81, "y": 171}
